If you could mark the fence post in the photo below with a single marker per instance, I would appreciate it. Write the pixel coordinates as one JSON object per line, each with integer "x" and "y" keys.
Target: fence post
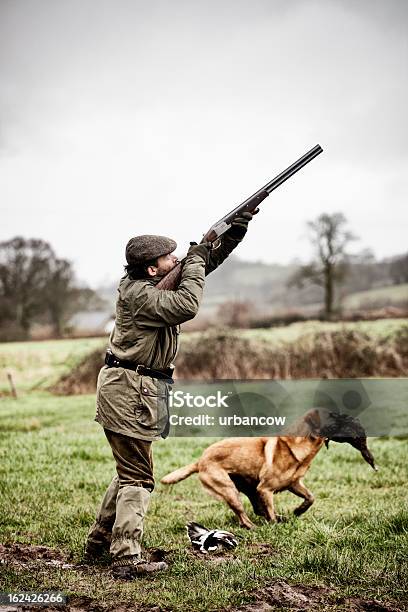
{"x": 12, "y": 385}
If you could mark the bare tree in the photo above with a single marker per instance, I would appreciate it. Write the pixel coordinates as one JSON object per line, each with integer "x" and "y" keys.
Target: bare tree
{"x": 399, "y": 269}
{"x": 24, "y": 272}
{"x": 329, "y": 238}
{"x": 59, "y": 294}
{"x": 36, "y": 286}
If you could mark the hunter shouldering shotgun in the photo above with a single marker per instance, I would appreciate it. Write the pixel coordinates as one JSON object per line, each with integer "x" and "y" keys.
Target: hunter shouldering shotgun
{"x": 156, "y": 295}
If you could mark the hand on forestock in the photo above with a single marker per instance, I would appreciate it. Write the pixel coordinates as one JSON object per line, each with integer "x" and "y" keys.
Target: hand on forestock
{"x": 202, "y": 249}
{"x": 239, "y": 225}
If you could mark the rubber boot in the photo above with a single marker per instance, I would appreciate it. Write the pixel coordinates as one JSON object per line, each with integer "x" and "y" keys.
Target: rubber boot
{"x": 100, "y": 534}
{"x": 127, "y": 563}
{"x": 131, "y": 506}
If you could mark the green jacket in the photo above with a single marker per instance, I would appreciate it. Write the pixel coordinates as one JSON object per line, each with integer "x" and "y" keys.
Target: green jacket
{"x": 146, "y": 332}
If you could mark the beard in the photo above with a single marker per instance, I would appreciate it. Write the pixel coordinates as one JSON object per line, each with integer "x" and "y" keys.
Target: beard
{"x": 162, "y": 271}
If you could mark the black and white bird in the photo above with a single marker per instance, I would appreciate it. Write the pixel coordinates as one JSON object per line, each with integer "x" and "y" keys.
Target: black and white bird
{"x": 208, "y": 540}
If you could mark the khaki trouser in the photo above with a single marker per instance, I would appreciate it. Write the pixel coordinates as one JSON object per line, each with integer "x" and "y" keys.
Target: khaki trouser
{"x": 124, "y": 505}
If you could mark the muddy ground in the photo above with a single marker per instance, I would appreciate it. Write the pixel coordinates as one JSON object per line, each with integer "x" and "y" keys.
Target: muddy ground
{"x": 276, "y": 595}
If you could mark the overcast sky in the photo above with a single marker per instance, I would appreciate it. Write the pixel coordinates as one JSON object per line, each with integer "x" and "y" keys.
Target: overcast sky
{"x": 130, "y": 117}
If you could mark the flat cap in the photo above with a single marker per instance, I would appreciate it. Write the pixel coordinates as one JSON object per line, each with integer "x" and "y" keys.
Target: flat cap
{"x": 147, "y": 247}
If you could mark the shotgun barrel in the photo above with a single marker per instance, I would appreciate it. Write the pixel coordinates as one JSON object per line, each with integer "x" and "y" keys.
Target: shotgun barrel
{"x": 172, "y": 279}
{"x": 252, "y": 202}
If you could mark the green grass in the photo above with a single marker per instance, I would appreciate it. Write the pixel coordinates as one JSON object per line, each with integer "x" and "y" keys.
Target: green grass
{"x": 36, "y": 365}
{"x": 392, "y": 294}
{"x": 55, "y": 464}
{"x": 290, "y": 333}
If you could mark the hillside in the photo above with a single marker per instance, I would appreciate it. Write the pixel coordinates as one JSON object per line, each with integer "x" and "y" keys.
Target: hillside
{"x": 368, "y": 284}
{"x": 377, "y": 297}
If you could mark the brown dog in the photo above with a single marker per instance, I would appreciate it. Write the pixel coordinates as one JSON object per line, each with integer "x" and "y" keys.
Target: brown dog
{"x": 260, "y": 467}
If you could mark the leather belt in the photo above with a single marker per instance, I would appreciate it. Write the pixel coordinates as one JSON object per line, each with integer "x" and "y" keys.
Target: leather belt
{"x": 113, "y": 362}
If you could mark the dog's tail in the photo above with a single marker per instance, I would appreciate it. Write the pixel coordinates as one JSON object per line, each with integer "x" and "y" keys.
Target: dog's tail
{"x": 180, "y": 474}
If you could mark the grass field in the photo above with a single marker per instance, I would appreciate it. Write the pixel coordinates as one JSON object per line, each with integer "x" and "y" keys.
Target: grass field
{"x": 394, "y": 294}
{"x": 37, "y": 365}
{"x": 55, "y": 464}
{"x": 380, "y": 329}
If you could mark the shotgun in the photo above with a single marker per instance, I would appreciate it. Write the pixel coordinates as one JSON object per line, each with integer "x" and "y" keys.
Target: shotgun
{"x": 172, "y": 279}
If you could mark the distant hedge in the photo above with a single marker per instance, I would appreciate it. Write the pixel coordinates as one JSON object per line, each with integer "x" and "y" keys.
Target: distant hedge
{"x": 225, "y": 355}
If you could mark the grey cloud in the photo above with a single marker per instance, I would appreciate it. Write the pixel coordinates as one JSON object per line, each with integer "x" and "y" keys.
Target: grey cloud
{"x": 112, "y": 98}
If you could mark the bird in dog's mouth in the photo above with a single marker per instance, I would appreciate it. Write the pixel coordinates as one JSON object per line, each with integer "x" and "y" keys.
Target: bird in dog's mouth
{"x": 345, "y": 428}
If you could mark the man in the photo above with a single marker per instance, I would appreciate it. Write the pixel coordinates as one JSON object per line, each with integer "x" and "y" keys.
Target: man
{"x": 133, "y": 386}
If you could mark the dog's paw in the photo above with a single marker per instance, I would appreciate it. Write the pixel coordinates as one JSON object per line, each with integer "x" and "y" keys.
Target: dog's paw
{"x": 280, "y": 518}
{"x": 247, "y": 524}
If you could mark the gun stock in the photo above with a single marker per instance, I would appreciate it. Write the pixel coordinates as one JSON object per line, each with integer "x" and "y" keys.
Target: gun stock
{"x": 172, "y": 279}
